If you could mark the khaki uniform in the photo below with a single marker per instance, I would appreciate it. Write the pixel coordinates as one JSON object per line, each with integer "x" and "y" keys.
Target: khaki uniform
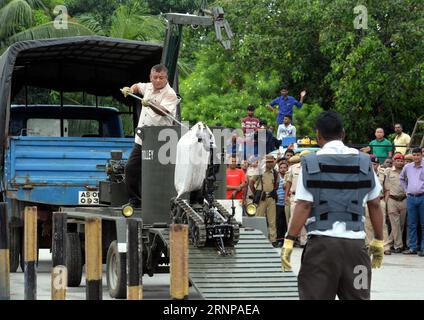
{"x": 396, "y": 207}
{"x": 369, "y": 230}
{"x": 267, "y": 207}
{"x": 250, "y": 173}
{"x": 293, "y": 175}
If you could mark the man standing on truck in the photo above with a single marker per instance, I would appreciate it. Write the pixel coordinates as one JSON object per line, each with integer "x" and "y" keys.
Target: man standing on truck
{"x": 159, "y": 99}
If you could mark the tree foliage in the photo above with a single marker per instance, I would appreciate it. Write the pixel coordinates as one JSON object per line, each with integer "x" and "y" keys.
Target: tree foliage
{"x": 373, "y": 77}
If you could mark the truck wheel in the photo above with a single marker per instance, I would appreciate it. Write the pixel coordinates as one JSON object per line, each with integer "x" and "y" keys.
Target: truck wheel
{"x": 73, "y": 259}
{"x": 15, "y": 248}
{"x": 116, "y": 274}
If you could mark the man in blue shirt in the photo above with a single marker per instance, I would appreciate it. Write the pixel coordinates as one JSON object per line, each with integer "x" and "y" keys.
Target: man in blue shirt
{"x": 285, "y": 104}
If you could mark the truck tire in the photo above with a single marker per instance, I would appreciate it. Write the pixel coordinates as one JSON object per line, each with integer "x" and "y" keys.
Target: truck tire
{"x": 73, "y": 259}
{"x": 116, "y": 272}
{"x": 15, "y": 248}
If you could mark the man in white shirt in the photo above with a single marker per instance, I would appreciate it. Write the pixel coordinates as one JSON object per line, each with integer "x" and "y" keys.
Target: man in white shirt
{"x": 333, "y": 188}
{"x": 286, "y": 129}
{"x": 159, "y": 99}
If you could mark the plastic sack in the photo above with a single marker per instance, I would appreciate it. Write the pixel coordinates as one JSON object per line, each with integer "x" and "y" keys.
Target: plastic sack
{"x": 192, "y": 159}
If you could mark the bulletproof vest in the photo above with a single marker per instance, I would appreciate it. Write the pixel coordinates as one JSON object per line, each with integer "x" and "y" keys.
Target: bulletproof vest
{"x": 338, "y": 184}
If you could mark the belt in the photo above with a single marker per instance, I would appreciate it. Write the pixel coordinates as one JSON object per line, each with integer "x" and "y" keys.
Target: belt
{"x": 398, "y": 198}
{"x": 416, "y": 194}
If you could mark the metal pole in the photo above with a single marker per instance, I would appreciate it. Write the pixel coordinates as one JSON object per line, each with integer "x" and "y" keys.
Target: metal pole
{"x": 93, "y": 258}
{"x": 179, "y": 261}
{"x": 134, "y": 261}
{"x": 59, "y": 239}
{"x": 30, "y": 252}
{"x": 167, "y": 114}
{"x": 4, "y": 254}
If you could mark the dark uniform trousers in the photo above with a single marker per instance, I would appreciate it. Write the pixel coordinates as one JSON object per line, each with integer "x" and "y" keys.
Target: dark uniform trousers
{"x": 133, "y": 174}
{"x": 334, "y": 266}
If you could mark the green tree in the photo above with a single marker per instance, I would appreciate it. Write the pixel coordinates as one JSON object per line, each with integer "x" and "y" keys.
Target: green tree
{"x": 373, "y": 77}
{"x": 182, "y": 6}
{"x": 32, "y": 19}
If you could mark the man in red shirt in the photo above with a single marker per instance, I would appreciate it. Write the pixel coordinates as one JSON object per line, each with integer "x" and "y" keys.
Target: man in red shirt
{"x": 249, "y": 125}
{"x": 236, "y": 181}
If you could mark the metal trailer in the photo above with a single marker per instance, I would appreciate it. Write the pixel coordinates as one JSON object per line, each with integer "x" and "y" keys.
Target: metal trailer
{"x": 252, "y": 270}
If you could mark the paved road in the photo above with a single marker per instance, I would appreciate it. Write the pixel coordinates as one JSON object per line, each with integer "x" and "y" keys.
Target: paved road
{"x": 400, "y": 278}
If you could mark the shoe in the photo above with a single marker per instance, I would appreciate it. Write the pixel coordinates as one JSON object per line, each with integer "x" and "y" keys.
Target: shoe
{"x": 421, "y": 253}
{"x": 397, "y": 250}
{"x": 277, "y": 244}
{"x": 387, "y": 253}
{"x": 410, "y": 251}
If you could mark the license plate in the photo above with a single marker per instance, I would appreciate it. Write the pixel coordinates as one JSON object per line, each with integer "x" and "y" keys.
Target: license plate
{"x": 88, "y": 198}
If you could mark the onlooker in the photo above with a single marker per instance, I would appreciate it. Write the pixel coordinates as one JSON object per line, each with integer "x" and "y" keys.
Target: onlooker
{"x": 259, "y": 143}
{"x": 291, "y": 184}
{"x": 234, "y": 145}
{"x": 252, "y": 170}
{"x": 409, "y": 158}
{"x": 236, "y": 180}
{"x": 381, "y": 147}
{"x": 396, "y": 202}
{"x": 281, "y": 217}
{"x": 285, "y": 104}
{"x": 267, "y": 183}
{"x": 244, "y": 166}
{"x": 286, "y": 130}
{"x": 412, "y": 181}
{"x": 388, "y": 163}
{"x": 402, "y": 139}
{"x": 288, "y": 154}
{"x": 250, "y": 123}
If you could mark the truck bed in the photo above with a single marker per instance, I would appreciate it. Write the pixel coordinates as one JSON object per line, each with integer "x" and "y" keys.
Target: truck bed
{"x": 53, "y": 170}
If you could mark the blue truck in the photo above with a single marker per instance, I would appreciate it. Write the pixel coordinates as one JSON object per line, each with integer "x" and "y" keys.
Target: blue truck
{"x": 49, "y": 170}
{"x": 54, "y": 155}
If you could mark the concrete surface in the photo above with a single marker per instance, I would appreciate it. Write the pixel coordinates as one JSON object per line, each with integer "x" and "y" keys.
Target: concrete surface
{"x": 400, "y": 278}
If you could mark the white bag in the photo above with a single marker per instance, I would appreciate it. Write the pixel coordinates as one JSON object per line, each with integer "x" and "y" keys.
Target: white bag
{"x": 192, "y": 159}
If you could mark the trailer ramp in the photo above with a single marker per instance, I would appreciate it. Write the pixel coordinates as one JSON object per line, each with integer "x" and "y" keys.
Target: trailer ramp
{"x": 252, "y": 271}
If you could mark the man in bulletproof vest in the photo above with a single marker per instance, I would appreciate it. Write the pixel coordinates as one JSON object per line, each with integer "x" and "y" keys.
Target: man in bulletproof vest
{"x": 333, "y": 187}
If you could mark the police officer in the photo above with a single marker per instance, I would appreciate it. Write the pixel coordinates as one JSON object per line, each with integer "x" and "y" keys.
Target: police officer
{"x": 293, "y": 175}
{"x": 267, "y": 182}
{"x": 333, "y": 187}
{"x": 396, "y": 202}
